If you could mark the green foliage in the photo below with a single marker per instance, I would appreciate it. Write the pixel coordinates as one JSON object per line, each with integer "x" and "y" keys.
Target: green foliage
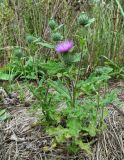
{"x": 30, "y": 38}
{"x": 25, "y": 68}
{"x": 52, "y": 24}
{"x": 84, "y": 20}
{"x": 85, "y": 119}
{"x": 120, "y": 7}
{"x": 45, "y": 102}
{"x": 52, "y": 67}
{"x": 60, "y": 88}
{"x": 56, "y": 36}
{"x": 96, "y": 80}
{"x": 46, "y": 45}
{"x": 117, "y": 71}
{"x": 6, "y": 76}
{"x": 73, "y": 108}
{"x": 18, "y": 52}
{"x": 4, "y": 115}
{"x": 78, "y": 118}
{"x": 6, "y": 13}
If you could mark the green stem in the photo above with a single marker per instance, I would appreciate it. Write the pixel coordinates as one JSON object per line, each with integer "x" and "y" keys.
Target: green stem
{"x": 98, "y": 104}
{"x": 74, "y": 85}
{"x": 120, "y": 7}
{"x": 73, "y": 94}
{"x": 102, "y": 114}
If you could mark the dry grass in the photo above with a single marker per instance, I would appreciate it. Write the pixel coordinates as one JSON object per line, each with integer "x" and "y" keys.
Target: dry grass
{"x": 19, "y": 140}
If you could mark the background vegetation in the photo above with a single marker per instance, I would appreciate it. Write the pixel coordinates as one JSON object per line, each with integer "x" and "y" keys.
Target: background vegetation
{"x": 30, "y": 17}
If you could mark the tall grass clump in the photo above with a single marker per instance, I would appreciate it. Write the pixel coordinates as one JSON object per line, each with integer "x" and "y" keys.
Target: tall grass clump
{"x": 104, "y": 38}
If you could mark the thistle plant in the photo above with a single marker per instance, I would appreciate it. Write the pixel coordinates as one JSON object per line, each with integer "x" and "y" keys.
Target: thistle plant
{"x": 81, "y": 117}
{"x": 83, "y": 109}
{"x": 84, "y": 20}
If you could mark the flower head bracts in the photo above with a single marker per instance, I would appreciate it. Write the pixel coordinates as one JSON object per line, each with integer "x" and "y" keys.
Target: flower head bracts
{"x": 64, "y": 46}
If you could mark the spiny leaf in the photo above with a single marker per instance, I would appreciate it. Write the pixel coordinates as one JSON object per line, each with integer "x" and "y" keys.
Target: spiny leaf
{"x": 60, "y": 88}
{"x": 84, "y": 146}
{"x": 52, "y": 67}
{"x": 74, "y": 126}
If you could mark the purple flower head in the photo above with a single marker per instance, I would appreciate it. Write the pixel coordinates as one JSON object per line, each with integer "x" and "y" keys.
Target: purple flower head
{"x": 64, "y": 46}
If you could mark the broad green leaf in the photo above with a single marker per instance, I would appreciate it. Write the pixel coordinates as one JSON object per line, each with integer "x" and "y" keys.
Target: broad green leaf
{"x": 103, "y": 70}
{"x": 76, "y": 57}
{"x": 91, "y": 129}
{"x": 109, "y": 98}
{"x": 72, "y": 148}
{"x": 60, "y": 88}
{"x": 47, "y": 45}
{"x": 74, "y": 126}
{"x": 4, "y": 115}
{"x": 52, "y": 67}
{"x": 6, "y": 76}
{"x": 60, "y": 133}
{"x": 84, "y": 146}
{"x": 2, "y": 112}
